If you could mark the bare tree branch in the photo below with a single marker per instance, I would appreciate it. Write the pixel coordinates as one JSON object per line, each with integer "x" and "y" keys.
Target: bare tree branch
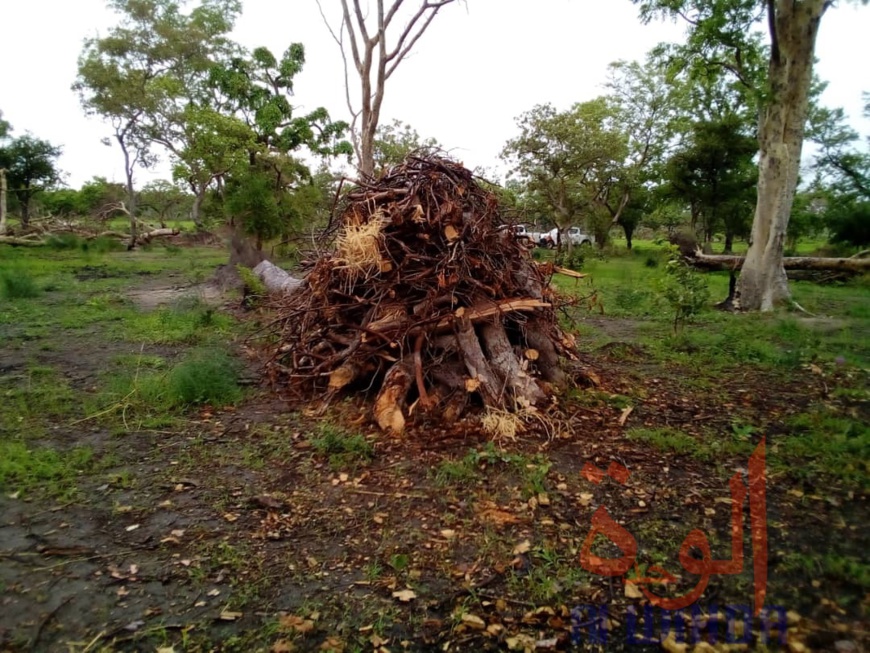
{"x": 375, "y": 61}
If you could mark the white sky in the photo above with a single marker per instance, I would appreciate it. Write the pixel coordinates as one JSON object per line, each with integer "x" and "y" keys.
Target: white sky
{"x": 479, "y": 66}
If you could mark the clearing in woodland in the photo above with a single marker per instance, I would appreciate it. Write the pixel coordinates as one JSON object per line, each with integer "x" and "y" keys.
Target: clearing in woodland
{"x": 154, "y": 495}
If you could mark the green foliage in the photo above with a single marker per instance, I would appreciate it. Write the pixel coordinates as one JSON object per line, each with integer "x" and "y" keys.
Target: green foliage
{"x": 684, "y": 289}
{"x": 252, "y": 202}
{"x": 206, "y": 376}
{"x": 714, "y": 173}
{"x": 572, "y": 259}
{"x": 342, "y": 447}
{"x": 848, "y": 221}
{"x": 393, "y": 142}
{"x": 254, "y": 288}
{"x": 568, "y": 158}
{"x": 61, "y": 242}
{"x": 142, "y": 74}
{"x": 17, "y": 284}
{"x": 31, "y": 165}
{"x": 666, "y": 439}
{"x": 28, "y": 469}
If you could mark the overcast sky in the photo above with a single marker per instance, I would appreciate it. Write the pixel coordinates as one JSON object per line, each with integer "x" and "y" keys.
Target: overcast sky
{"x": 480, "y": 65}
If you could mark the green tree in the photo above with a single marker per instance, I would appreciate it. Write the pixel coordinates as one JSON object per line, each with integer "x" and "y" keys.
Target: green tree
{"x": 254, "y": 89}
{"x": 721, "y": 34}
{"x": 649, "y": 103}
{"x": 394, "y": 141}
{"x": 571, "y": 160}
{"x": 32, "y": 168}
{"x": 162, "y": 201}
{"x": 843, "y": 172}
{"x": 713, "y": 173}
{"x": 212, "y": 146}
{"x": 5, "y": 127}
{"x": 139, "y": 76}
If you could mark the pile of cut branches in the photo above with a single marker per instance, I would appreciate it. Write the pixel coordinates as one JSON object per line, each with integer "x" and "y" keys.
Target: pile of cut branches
{"x": 426, "y": 299}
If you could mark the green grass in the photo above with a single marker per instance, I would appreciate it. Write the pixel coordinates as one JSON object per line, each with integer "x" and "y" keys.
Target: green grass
{"x": 206, "y": 376}
{"x": 32, "y": 400}
{"x": 29, "y": 469}
{"x": 144, "y": 394}
{"x": 187, "y": 322}
{"x": 821, "y": 442}
{"x": 343, "y": 448}
{"x": 17, "y": 284}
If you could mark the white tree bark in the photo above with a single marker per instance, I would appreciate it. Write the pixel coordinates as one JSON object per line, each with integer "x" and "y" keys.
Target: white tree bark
{"x": 276, "y": 280}
{"x": 793, "y": 29}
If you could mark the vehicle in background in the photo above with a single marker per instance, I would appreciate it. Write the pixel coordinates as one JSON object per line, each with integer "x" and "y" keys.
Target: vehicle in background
{"x": 551, "y": 239}
{"x": 522, "y": 233}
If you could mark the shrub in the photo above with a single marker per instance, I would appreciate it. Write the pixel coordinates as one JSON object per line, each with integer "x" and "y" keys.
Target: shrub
{"x": 684, "y": 288}
{"x": 102, "y": 245}
{"x": 64, "y": 241}
{"x": 573, "y": 259}
{"x": 17, "y": 284}
{"x": 208, "y": 376}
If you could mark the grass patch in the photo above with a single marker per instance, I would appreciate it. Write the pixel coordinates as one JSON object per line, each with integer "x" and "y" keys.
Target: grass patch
{"x": 343, "y": 447}
{"x": 189, "y": 321}
{"x": 145, "y": 395}
{"x": 24, "y": 469}
{"x": 32, "y": 399}
{"x": 18, "y": 284}
{"x": 823, "y": 443}
{"x": 666, "y": 439}
{"x": 207, "y": 376}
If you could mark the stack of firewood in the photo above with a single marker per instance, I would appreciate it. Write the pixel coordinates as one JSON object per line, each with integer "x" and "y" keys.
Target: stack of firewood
{"x": 426, "y": 300}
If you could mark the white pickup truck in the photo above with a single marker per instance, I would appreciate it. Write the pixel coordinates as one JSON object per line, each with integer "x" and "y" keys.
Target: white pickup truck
{"x": 522, "y": 233}
{"x": 574, "y": 234}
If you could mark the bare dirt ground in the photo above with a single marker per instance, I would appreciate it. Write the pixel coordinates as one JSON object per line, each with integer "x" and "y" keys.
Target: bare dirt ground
{"x": 242, "y": 531}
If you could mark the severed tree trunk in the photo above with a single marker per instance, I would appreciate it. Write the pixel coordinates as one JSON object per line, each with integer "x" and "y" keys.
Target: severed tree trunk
{"x": 502, "y": 358}
{"x": 389, "y": 406}
{"x": 854, "y": 264}
{"x": 793, "y": 29}
{"x": 276, "y": 280}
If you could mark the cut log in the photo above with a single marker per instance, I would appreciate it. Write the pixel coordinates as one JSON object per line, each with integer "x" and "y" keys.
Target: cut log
{"x": 276, "y": 280}
{"x": 714, "y": 262}
{"x": 484, "y": 379}
{"x": 148, "y": 236}
{"x": 390, "y": 405}
{"x": 548, "y": 359}
{"x": 526, "y": 392}
{"x": 20, "y": 242}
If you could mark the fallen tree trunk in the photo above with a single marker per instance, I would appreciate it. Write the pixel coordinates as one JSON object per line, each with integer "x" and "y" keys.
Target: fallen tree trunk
{"x": 20, "y": 242}
{"x": 714, "y": 262}
{"x": 276, "y": 280}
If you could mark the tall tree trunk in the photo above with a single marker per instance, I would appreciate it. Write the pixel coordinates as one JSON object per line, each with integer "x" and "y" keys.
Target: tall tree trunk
{"x": 24, "y": 200}
{"x": 729, "y": 242}
{"x": 2, "y": 201}
{"x": 794, "y": 26}
{"x": 131, "y": 194}
{"x": 196, "y": 210}
{"x": 629, "y": 231}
